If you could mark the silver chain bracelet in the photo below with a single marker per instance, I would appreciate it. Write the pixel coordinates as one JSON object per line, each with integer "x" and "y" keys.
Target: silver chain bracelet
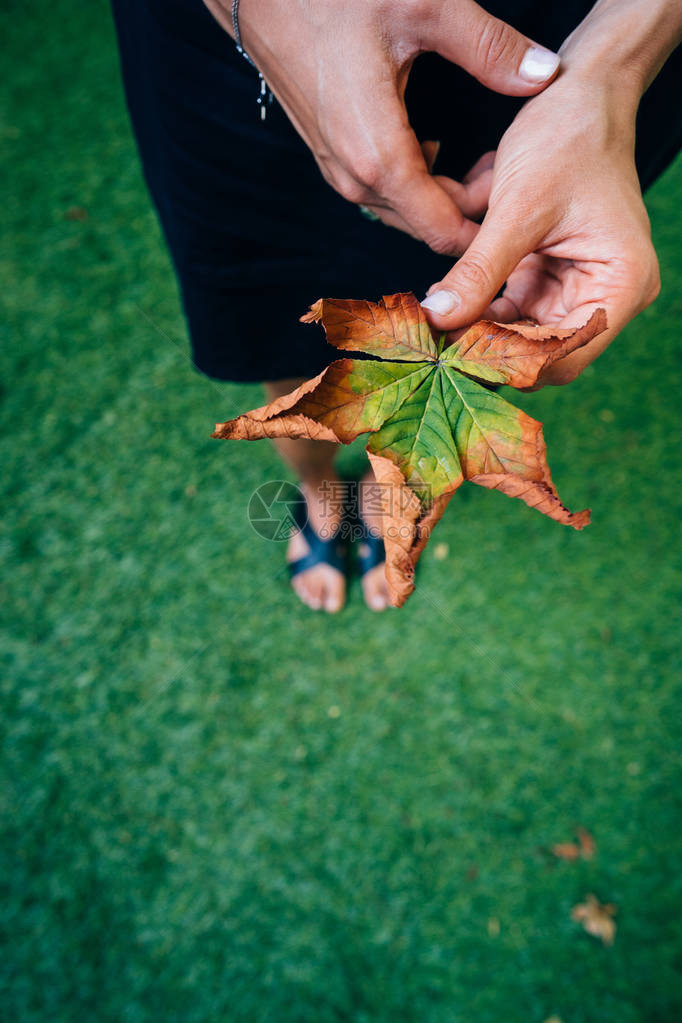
{"x": 264, "y": 96}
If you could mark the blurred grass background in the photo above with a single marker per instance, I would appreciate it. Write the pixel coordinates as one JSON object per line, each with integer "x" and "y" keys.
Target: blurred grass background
{"x": 219, "y": 806}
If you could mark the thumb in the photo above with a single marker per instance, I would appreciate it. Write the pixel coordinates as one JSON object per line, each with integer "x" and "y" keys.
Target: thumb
{"x": 464, "y": 294}
{"x": 489, "y": 49}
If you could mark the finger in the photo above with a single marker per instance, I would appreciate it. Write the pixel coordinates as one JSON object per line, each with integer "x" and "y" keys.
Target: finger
{"x": 483, "y": 164}
{"x": 427, "y": 204}
{"x": 473, "y": 193}
{"x": 503, "y": 310}
{"x": 618, "y": 314}
{"x": 471, "y": 199}
{"x": 434, "y": 216}
{"x": 464, "y": 294}
{"x": 471, "y": 196}
{"x": 387, "y": 170}
{"x": 387, "y": 216}
{"x": 430, "y": 150}
{"x": 489, "y": 49}
{"x": 622, "y": 291}
{"x": 567, "y": 369}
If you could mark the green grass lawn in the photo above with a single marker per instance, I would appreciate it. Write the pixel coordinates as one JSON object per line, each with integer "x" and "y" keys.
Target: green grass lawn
{"x": 219, "y": 806}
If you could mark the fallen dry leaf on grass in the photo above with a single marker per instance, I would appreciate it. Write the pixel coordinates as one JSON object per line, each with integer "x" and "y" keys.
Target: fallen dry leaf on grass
{"x": 596, "y": 918}
{"x": 434, "y": 420}
{"x": 566, "y": 850}
{"x": 587, "y": 843}
{"x": 583, "y": 849}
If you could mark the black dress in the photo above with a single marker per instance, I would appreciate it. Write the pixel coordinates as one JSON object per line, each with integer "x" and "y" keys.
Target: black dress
{"x": 255, "y": 233}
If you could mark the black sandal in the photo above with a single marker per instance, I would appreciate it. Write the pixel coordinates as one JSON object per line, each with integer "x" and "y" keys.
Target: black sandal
{"x": 333, "y": 552}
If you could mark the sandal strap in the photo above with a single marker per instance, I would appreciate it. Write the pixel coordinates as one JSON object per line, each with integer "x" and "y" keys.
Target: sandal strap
{"x": 331, "y": 552}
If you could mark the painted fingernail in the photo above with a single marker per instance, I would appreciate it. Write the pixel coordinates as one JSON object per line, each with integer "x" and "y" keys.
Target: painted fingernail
{"x": 441, "y": 302}
{"x": 538, "y": 64}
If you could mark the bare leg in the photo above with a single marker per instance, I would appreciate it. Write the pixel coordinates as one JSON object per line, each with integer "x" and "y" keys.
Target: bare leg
{"x": 313, "y": 463}
{"x": 374, "y": 588}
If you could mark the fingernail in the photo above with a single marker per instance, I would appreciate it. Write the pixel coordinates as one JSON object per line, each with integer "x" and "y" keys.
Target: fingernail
{"x": 441, "y": 302}
{"x": 538, "y": 64}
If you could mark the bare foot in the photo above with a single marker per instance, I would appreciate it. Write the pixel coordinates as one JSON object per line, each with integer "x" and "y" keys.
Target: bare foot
{"x": 321, "y": 587}
{"x": 374, "y": 587}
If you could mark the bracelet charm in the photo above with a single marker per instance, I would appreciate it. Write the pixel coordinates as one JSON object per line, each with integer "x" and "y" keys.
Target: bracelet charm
{"x": 264, "y": 96}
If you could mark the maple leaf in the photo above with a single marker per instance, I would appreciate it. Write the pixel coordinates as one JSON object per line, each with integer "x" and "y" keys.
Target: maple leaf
{"x": 596, "y": 918}
{"x": 426, "y": 400}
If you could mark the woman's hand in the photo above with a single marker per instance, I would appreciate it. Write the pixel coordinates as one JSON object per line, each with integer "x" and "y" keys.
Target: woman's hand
{"x": 339, "y": 69}
{"x": 566, "y": 227}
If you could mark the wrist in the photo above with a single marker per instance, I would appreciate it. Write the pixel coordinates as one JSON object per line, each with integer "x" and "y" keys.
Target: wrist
{"x": 622, "y": 44}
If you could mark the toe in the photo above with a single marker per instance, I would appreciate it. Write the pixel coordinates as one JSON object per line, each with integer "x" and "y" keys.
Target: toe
{"x": 321, "y": 588}
{"x": 334, "y": 595}
{"x": 317, "y": 592}
{"x": 305, "y": 593}
{"x": 375, "y": 589}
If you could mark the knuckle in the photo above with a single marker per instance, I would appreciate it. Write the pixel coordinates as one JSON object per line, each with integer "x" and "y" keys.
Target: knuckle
{"x": 441, "y": 245}
{"x": 352, "y": 190}
{"x": 360, "y": 175}
{"x": 356, "y": 176}
{"x": 370, "y": 173}
{"x": 475, "y": 272}
{"x": 346, "y": 185}
{"x": 654, "y": 289}
{"x": 643, "y": 278}
{"x": 494, "y": 45}
{"x": 653, "y": 284}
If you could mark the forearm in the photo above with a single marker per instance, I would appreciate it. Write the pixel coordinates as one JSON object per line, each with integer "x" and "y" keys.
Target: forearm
{"x": 623, "y": 44}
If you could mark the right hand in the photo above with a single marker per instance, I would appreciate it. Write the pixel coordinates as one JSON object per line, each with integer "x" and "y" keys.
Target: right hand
{"x": 339, "y": 69}
{"x": 566, "y": 231}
